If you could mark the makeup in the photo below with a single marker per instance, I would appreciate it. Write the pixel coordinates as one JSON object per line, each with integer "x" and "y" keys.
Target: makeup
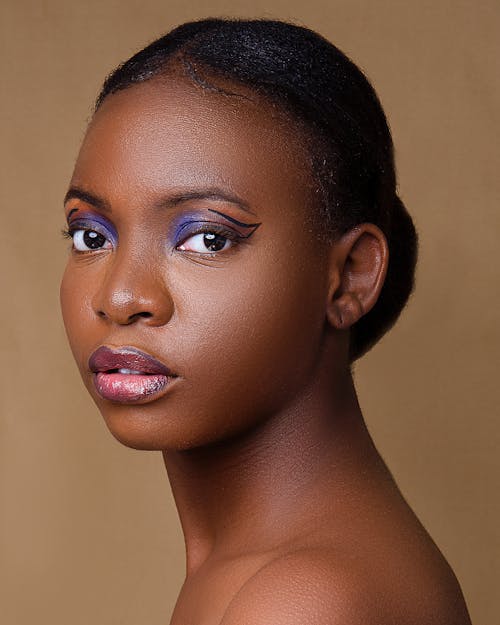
{"x": 128, "y": 375}
{"x": 235, "y": 221}
{"x": 191, "y": 223}
{"x": 92, "y": 225}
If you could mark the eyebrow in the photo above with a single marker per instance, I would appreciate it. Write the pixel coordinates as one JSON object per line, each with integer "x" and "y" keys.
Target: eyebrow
{"x": 170, "y": 201}
{"x": 87, "y": 197}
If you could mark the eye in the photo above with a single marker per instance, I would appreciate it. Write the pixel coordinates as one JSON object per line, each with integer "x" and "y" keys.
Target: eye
{"x": 209, "y": 241}
{"x": 85, "y": 240}
{"x": 209, "y": 238}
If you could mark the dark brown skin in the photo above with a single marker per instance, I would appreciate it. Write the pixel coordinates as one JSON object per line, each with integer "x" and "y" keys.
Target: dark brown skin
{"x": 289, "y": 514}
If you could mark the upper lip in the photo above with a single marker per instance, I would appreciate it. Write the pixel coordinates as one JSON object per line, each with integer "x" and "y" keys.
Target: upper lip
{"x": 106, "y": 359}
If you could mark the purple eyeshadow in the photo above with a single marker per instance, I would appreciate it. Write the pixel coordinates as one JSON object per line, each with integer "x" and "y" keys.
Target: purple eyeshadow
{"x": 97, "y": 222}
{"x": 187, "y": 222}
{"x": 180, "y": 227}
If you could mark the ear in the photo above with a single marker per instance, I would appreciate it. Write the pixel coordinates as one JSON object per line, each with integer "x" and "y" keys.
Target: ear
{"x": 358, "y": 266}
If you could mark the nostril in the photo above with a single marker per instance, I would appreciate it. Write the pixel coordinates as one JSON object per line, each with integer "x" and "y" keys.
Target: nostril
{"x": 128, "y": 319}
{"x": 143, "y": 314}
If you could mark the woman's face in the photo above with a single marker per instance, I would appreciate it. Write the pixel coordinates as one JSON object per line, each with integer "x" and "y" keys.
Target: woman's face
{"x": 191, "y": 245}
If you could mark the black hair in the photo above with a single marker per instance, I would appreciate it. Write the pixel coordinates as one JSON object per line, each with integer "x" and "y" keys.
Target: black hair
{"x": 350, "y": 143}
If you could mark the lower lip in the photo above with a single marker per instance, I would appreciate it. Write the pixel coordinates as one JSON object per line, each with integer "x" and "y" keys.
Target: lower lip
{"x": 130, "y": 388}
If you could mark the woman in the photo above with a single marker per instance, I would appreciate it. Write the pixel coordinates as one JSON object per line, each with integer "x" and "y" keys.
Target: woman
{"x": 237, "y": 243}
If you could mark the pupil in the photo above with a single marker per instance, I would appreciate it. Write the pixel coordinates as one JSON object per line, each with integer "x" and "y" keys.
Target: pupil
{"x": 93, "y": 239}
{"x": 214, "y": 242}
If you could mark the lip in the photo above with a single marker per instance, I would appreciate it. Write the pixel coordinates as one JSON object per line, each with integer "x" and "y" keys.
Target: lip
{"x": 129, "y": 375}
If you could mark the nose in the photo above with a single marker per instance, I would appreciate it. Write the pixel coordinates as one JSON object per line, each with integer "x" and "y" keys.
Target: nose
{"x": 133, "y": 290}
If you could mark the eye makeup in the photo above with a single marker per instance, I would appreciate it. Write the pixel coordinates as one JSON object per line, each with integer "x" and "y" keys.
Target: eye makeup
{"x": 191, "y": 223}
{"x": 91, "y": 221}
{"x": 235, "y": 221}
{"x": 187, "y": 224}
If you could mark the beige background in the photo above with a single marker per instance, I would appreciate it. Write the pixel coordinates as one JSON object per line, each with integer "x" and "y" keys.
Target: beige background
{"x": 88, "y": 531}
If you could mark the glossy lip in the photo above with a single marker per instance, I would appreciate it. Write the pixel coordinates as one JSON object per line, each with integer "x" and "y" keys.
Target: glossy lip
{"x": 105, "y": 359}
{"x": 150, "y": 378}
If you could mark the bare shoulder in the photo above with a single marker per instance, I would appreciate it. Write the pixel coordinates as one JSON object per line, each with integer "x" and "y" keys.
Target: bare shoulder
{"x": 311, "y": 586}
{"x": 296, "y": 589}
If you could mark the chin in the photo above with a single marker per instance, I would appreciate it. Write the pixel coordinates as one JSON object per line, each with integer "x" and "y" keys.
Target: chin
{"x": 132, "y": 429}
{"x": 143, "y": 438}
{"x": 137, "y": 441}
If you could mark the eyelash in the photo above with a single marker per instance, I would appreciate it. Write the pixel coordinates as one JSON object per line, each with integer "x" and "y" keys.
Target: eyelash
{"x": 69, "y": 233}
{"x": 208, "y": 228}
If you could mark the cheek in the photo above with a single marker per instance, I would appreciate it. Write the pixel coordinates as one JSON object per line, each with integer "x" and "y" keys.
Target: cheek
{"x": 76, "y": 313}
{"x": 254, "y": 341}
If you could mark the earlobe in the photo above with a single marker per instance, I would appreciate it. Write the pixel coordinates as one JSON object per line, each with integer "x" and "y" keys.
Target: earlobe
{"x": 344, "y": 311}
{"x": 358, "y": 267}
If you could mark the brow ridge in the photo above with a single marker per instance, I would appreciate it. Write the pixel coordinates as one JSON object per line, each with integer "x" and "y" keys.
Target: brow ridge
{"x": 170, "y": 201}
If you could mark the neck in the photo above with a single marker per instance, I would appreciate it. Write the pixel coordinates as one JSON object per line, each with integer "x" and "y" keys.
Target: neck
{"x": 241, "y": 495}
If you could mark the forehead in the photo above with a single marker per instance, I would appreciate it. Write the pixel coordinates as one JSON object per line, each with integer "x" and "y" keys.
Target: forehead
{"x": 172, "y": 133}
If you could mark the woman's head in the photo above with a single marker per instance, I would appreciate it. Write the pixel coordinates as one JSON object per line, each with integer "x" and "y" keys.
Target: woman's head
{"x": 334, "y": 109}
{"x": 217, "y": 224}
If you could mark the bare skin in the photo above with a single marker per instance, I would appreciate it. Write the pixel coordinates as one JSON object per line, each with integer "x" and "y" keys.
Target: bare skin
{"x": 289, "y": 514}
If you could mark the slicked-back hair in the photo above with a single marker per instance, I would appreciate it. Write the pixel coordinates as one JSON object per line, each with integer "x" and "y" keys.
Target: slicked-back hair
{"x": 323, "y": 91}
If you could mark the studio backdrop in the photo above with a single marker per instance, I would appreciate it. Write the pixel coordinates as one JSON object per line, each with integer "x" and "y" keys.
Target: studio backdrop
{"x": 88, "y": 529}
